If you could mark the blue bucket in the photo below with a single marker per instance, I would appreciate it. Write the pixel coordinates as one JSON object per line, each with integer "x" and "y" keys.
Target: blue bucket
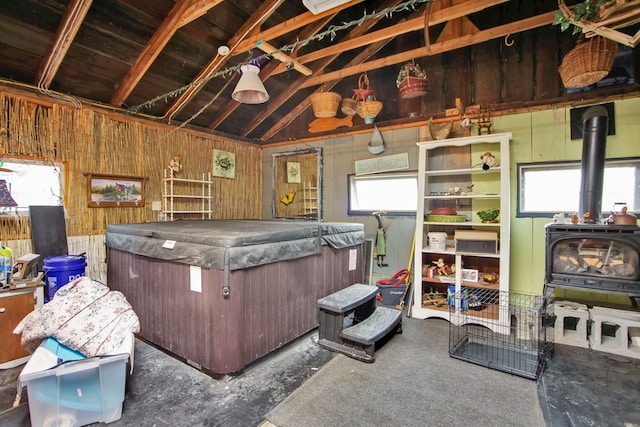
{"x": 60, "y": 270}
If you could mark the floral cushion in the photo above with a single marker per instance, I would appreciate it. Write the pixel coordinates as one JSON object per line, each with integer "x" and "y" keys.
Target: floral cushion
{"x": 84, "y": 315}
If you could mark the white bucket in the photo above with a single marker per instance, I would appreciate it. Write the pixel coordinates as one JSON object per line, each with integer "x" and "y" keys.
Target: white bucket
{"x": 437, "y": 241}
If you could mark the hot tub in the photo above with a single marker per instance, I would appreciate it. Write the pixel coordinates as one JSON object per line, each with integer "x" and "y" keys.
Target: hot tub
{"x": 223, "y": 293}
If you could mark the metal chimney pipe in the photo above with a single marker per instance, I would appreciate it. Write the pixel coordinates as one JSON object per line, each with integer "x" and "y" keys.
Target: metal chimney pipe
{"x": 595, "y": 123}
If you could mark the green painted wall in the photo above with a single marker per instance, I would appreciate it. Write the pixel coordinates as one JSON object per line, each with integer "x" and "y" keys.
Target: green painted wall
{"x": 545, "y": 136}
{"x": 537, "y": 136}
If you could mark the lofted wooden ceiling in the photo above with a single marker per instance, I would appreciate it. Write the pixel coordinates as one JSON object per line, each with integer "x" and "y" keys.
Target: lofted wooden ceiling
{"x": 161, "y": 58}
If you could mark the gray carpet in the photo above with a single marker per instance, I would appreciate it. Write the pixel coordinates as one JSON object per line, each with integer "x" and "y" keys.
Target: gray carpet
{"x": 428, "y": 388}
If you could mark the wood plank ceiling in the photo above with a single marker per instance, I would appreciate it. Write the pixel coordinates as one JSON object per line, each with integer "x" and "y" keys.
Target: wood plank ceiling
{"x": 161, "y": 58}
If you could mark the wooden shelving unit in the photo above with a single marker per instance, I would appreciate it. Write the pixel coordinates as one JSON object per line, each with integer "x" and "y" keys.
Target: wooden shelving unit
{"x": 443, "y": 166}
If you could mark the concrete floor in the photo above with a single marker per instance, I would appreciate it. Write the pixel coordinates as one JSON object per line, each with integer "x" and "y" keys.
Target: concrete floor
{"x": 580, "y": 387}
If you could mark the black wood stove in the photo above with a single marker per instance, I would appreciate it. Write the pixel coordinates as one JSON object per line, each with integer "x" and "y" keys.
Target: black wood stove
{"x": 593, "y": 255}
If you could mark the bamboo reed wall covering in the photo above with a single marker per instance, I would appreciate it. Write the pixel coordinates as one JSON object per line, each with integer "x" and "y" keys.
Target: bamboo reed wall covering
{"x": 96, "y": 141}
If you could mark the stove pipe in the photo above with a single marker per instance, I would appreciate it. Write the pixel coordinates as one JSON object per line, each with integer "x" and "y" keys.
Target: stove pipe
{"x": 595, "y": 123}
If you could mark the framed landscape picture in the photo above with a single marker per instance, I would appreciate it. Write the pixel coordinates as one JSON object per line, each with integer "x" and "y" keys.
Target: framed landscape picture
{"x": 115, "y": 191}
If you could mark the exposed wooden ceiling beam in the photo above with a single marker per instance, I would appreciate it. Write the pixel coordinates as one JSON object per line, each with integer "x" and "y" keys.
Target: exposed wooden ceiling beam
{"x": 276, "y": 103}
{"x": 289, "y": 26}
{"x": 268, "y": 70}
{"x": 282, "y": 57}
{"x": 244, "y": 41}
{"x": 261, "y": 14}
{"x": 415, "y": 24}
{"x": 183, "y": 12}
{"x": 353, "y": 42}
{"x": 66, "y": 32}
{"x": 362, "y": 56}
{"x": 436, "y": 48}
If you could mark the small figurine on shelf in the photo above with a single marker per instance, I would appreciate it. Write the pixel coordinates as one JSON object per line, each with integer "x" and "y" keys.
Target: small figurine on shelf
{"x": 174, "y": 164}
{"x": 488, "y": 160}
{"x": 442, "y": 268}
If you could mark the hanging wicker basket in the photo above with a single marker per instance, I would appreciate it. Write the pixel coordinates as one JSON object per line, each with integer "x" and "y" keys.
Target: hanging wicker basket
{"x": 363, "y": 91}
{"x": 412, "y": 81}
{"x": 587, "y": 63}
{"x": 349, "y": 106}
{"x": 325, "y": 104}
{"x": 369, "y": 109}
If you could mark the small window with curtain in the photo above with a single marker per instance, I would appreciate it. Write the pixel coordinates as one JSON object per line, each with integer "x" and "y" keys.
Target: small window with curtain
{"x": 394, "y": 193}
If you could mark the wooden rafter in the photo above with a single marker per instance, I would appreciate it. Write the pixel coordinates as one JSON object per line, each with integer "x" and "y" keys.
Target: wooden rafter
{"x": 290, "y": 25}
{"x": 299, "y": 109}
{"x": 66, "y": 32}
{"x": 437, "y": 48}
{"x": 261, "y": 14}
{"x": 415, "y": 24}
{"x": 274, "y": 104}
{"x": 282, "y": 57}
{"x": 269, "y": 69}
{"x": 243, "y": 41}
{"x": 183, "y": 12}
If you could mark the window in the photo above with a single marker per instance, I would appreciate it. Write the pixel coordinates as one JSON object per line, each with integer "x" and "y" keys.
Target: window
{"x": 394, "y": 193}
{"x": 545, "y": 189}
{"x": 33, "y": 183}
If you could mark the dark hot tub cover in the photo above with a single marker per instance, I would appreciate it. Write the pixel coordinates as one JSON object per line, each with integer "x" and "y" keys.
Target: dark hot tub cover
{"x": 231, "y": 244}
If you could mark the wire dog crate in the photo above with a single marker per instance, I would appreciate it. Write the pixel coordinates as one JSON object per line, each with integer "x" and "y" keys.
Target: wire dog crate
{"x": 519, "y": 346}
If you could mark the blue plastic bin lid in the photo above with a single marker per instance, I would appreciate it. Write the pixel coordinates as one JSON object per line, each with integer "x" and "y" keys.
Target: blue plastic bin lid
{"x": 65, "y": 260}
{"x": 63, "y": 352}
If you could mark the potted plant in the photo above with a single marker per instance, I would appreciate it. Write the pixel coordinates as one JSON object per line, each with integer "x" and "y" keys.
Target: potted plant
{"x": 489, "y": 215}
{"x": 584, "y": 11}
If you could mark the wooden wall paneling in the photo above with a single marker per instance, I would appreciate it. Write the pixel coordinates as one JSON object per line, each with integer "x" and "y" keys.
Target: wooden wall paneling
{"x": 435, "y": 100}
{"x": 546, "y": 84}
{"x": 517, "y": 63}
{"x": 518, "y": 68}
{"x": 458, "y": 76}
{"x": 487, "y": 82}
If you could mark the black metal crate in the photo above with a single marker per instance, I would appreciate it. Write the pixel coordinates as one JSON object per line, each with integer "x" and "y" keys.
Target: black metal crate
{"x": 501, "y": 330}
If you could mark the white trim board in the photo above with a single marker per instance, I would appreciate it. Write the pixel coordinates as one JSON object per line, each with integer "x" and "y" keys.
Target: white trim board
{"x": 382, "y": 164}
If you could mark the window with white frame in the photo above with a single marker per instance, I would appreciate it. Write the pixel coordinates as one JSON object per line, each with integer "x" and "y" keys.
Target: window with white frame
{"x": 393, "y": 193}
{"x": 545, "y": 189}
{"x": 33, "y": 183}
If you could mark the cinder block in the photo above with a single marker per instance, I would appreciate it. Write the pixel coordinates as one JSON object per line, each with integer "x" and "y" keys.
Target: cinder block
{"x": 571, "y": 323}
{"x": 615, "y": 331}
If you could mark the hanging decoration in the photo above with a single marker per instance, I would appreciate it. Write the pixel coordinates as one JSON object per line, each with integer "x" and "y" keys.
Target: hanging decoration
{"x": 587, "y": 63}
{"x": 288, "y": 198}
{"x": 412, "y": 81}
{"x": 325, "y": 104}
{"x": 368, "y": 106}
{"x": 376, "y": 144}
{"x": 174, "y": 164}
{"x": 224, "y": 164}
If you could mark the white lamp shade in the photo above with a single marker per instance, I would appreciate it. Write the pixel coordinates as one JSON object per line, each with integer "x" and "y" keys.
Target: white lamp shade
{"x": 250, "y": 89}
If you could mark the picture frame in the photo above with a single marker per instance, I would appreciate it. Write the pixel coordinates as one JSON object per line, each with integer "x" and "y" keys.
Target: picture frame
{"x": 104, "y": 191}
{"x": 293, "y": 172}
{"x": 469, "y": 275}
{"x": 224, "y": 164}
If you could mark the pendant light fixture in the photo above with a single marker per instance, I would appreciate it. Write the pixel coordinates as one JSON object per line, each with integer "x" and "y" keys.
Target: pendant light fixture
{"x": 250, "y": 89}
